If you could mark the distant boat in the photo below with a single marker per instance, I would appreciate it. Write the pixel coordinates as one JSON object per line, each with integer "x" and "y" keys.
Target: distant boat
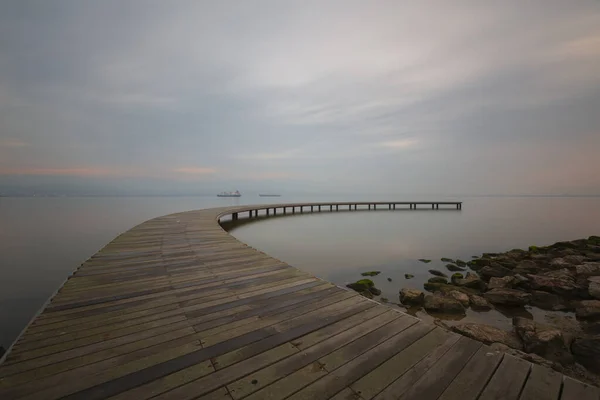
{"x": 230, "y": 194}
{"x": 269, "y": 195}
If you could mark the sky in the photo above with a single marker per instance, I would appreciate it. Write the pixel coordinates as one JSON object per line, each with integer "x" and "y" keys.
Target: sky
{"x": 461, "y": 97}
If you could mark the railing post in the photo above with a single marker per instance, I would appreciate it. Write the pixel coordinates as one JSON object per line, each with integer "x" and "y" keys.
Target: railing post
{"x": 330, "y": 207}
{"x": 311, "y": 208}
{"x": 337, "y": 207}
{"x": 319, "y": 208}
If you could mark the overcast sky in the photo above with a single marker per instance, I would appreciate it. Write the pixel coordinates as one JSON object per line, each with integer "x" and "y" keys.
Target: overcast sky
{"x": 351, "y": 96}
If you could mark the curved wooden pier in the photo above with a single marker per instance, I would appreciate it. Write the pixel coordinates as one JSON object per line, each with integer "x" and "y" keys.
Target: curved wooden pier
{"x": 176, "y": 308}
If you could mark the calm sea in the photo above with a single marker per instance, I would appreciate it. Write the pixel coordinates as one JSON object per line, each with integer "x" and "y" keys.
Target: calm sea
{"x": 42, "y": 240}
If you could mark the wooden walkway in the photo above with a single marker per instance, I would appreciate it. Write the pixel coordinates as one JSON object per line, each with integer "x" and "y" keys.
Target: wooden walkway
{"x": 176, "y": 308}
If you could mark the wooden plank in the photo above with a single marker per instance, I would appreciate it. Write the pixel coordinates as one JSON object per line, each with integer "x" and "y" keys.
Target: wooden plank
{"x": 542, "y": 384}
{"x": 508, "y": 380}
{"x": 350, "y": 372}
{"x": 469, "y": 383}
{"x": 575, "y": 390}
{"x": 256, "y": 381}
{"x": 381, "y": 377}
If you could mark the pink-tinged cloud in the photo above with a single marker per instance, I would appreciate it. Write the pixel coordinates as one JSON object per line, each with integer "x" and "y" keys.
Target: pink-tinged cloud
{"x": 195, "y": 170}
{"x": 92, "y": 172}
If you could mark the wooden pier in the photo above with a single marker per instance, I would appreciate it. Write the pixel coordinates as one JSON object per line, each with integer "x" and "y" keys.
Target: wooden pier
{"x": 176, "y": 308}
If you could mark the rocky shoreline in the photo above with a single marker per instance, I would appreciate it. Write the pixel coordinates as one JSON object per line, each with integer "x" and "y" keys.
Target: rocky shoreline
{"x": 563, "y": 277}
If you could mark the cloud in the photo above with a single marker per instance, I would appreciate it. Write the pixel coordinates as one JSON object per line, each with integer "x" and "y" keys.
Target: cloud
{"x": 10, "y": 143}
{"x": 195, "y": 170}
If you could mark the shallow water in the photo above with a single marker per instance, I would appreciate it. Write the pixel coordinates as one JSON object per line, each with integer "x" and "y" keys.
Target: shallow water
{"x": 42, "y": 240}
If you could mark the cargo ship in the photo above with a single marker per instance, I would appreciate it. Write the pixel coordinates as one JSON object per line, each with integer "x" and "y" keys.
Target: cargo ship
{"x": 230, "y": 194}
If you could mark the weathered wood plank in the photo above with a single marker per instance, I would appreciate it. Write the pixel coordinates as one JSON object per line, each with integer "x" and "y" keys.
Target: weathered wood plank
{"x": 575, "y": 390}
{"x": 542, "y": 384}
{"x": 508, "y": 380}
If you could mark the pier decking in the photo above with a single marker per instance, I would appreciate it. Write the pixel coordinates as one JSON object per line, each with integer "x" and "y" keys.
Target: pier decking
{"x": 176, "y": 308}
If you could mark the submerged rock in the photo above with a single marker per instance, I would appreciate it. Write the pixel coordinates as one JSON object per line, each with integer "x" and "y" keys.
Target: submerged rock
{"x": 508, "y": 297}
{"x": 461, "y": 263}
{"x": 543, "y": 340}
{"x": 455, "y": 276}
{"x": 494, "y": 270}
{"x": 489, "y": 334}
{"x": 367, "y": 294}
{"x": 424, "y": 260}
{"x": 411, "y": 296}
{"x": 452, "y": 267}
{"x": 375, "y": 291}
{"x": 389, "y": 279}
{"x": 371, "y": 273}
{"x": 438, "y": 303}
{"x": 438, "y": 273}
{"x": 447, "y": 260}
{"x": 361, "y": 285}
{"x": 586, "y": 351}
{"x": 408, "y": 276}
{"x": 547, "y": 301}
{"x": 437, "y": 279}
{"x": 478, "y": 302}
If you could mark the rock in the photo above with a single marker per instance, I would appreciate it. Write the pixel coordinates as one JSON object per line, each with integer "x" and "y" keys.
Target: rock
{"x": 595, "y": 240}
{"x": 438, "y": 273}
{"x": 361, "y": 285}
{"x": 546, "y": 301}
{"x": 438, "y": 303}
{"x": 507, "y": 297}
{"x": 489, "y": 334}
{"x": 471, "y": 281}
{"x": 452, "y": 267}
{"x": 588, "y": 309}
{"x": 437, "y": 279}
{"x": 389, "y": 279}
{"x": 536, "y": 249}
{"x": 586, "y": 351}
{"x": 588, "y": 269}
{"x": 460, "y": 263}
{"x": 375, "y": 291}
{"x": 534, "y": 358}
{"x": 408, "y": 276}
{"x": 594, "y": 287}
{"x": 424, "y": 260}
{"x": 543, "y": 340}
{"x": 479, "y": 263}
{"x": 559, "y": 263}
{"x": 500, "y": 283}
{"x": 366, "y": 294}
{"x": 562, "y": 286}
{"x": 447, "y": 260}
{"x": 563, "y": 273}
{"x": 575, "y": 260}
{"x": 384, "y": 300}
{"x": 490, "y": 255}
{"x": 526, "y": 267}
{"x": 478, "y": 302}
{"x": 494, "y": 270}
{"x": 411, "y": 297}
{"x": 461, "y": 297}
{"x": 455, "y": 276}
{"x": 371, "y": 273}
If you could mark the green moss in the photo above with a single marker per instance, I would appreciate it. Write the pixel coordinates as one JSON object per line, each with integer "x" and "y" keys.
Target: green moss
{"x": 534, "y": 249}
{"x": 437, "y": 279}
{"x": 424, "y": 260}
{"x": 361, "y": 285}
{"x": 595, "y": 240}
{"x": 455, "y": 276}
{"x": 460, "y": 263}
{"x": 371, "y": 273}
{"x": 448, "y": 260}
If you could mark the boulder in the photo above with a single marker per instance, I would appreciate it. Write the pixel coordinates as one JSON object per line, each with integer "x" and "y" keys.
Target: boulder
{"x": 408, "y": 276}
{"x": 361, "y": 285}
{"x": 375, "y": 291}
{"x": 455, "y": 276}
{"x": 594, "y": 240}
{"x": 588, "y": 269}
{"x": 508, "y": 297}
{"x": 424, "y": 260}
{"x": 575, "y": 260}
{"x": 586, "y": 351}
{"x": 494, "y": 270}
{"x": 453, "y": 268}
{"x": 439, "y": 303}
{"x": 489, "y": 334}
{"x": 559, "y": 263}
{"x": 447, "y": 260}
{"x": 546, "y": 301}
{"x": 561, "y": 286}
{"x": 479, "y": 263}
{"x": 500, "y": 283}
{"x": 479, "y": 303}
{"x": 411, "y": 297}
{"x": 588, "y": 309}
{"x": 438, "y": 273}
{"x": 461, "y": 297}
{"x": 460, "y": 263}
{"x": 437, "y": 279}
{"x": 543, "y": 340}
{"x": 562, "y": 273}
{"x": 470, "y": 281}
{"x": 371, "y": 273}
{"x": 367, "y": 294}
{"x": 594, "y": 287}
{"x": 526, "y": 267}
